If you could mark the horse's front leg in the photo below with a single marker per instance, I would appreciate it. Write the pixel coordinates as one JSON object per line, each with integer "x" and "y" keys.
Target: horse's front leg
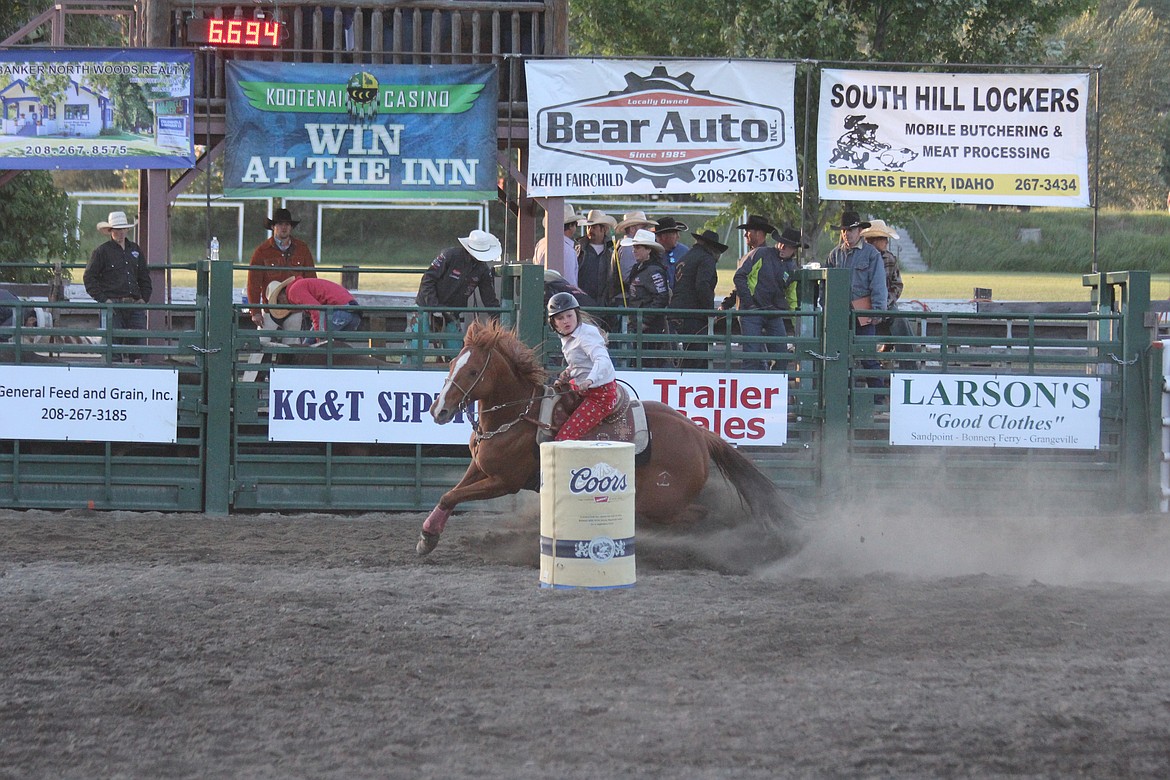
{"x": 475, "y": 486}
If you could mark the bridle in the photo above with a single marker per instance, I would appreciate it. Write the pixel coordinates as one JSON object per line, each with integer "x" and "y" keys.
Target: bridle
{"x": 462, "y": 403}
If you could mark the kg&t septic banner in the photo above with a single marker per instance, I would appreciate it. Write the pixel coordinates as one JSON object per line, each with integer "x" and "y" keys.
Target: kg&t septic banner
{"x": 95, "y": 109}
{"x": 361, "y": 131}
{"x": 611, "y": 127}
{"x": 946, "y": 138}
{"x": 1031, "y": 412}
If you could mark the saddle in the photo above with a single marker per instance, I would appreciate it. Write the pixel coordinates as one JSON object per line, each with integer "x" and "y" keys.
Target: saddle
{"x": 626, "y": 423}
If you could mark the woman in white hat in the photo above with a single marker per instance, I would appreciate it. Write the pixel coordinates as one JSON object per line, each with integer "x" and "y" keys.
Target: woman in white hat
{"x": 646, "y": 286}
{"x": 879, "y": 234}
{"x": 117, "y": 273}
{"x": 631, "y": 223}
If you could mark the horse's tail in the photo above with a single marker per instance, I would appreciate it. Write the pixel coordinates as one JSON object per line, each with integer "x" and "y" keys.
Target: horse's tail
{"x": 767, "y": 503}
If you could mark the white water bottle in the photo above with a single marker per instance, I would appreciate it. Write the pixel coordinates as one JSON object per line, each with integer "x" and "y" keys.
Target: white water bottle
{"x": 214, "y": 248}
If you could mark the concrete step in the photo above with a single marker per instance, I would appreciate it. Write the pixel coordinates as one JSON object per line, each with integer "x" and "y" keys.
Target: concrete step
{"x": 904, "y": 248}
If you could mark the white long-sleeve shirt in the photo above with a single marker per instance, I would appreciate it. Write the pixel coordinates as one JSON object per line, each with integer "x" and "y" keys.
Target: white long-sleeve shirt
{"x": 587, "y": 356}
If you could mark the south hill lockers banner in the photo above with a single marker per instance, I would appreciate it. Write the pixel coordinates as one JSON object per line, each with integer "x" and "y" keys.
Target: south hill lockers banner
{"x": 361, "y": 131}
{"x": 988, "y": 138}
{"x": 95, "y": 109}
{"x": 627, "y": 127}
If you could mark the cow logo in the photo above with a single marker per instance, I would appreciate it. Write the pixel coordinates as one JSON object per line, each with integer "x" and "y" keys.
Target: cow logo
{"x": 859, "y": 148}
{"x": 660, "y": 127}
{"x": 361, "y": 92}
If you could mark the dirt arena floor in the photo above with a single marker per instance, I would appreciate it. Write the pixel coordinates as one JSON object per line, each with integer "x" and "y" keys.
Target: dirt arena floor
{"x": 143, "y": 645}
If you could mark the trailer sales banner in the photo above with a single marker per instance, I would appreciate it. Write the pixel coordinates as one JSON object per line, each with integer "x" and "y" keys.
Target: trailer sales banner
{"x": 371, "y": 132}
{"x": 1037, "y": 412}
{"x": 632, "y": 127}
{"x": 946, "y": 138}
{"x": 96, "y": 109}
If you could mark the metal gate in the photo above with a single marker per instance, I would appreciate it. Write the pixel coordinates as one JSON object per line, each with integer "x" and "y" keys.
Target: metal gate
{"x": 838, "y": 434}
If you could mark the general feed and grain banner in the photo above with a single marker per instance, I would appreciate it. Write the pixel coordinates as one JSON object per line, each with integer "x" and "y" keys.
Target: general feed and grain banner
{"x": 371, "y": 132}
{"x": 632, "y": 127}
{"x": 96, "y": 109}
{"x": 946, "y": 138}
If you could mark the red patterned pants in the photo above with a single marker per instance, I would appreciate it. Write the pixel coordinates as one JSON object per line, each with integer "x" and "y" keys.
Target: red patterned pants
{"x": 595, "y": 407}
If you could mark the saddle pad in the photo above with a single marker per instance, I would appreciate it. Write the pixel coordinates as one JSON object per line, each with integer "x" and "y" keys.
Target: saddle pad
{"x": 626, "y": 423}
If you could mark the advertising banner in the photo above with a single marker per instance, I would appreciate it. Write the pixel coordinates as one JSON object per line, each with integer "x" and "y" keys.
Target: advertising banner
{"x": 96, "y": 109}
{"x": 371, "y": 132}
{"x": 52, "y": 403}
{"x": 608, "y": 127}
{"x": 340, "y": 405}
{"x": 1038, "y": 412}
{"x": 945, "y": 138}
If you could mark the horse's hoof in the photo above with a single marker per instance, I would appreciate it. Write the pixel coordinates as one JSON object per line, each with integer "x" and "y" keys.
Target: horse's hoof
{"x": 427, "y": 541}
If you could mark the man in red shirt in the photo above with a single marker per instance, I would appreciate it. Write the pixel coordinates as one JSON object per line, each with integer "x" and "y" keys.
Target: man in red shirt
{"x": 274, "y": 260}
{"x": 315, "y": 292}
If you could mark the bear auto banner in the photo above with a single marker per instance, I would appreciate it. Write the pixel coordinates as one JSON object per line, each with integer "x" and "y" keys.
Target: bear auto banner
{"x": 629, "y": 127}
{"x": 96, "y": 109}
{"x": 371, "y": 132}
{"x": 989, "y": 138}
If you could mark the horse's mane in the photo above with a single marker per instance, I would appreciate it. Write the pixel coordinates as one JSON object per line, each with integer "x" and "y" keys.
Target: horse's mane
{"x": 522, "y": 358}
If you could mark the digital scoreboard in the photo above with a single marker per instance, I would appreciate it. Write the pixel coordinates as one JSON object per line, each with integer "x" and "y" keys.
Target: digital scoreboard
{"x": 248, "y": 33}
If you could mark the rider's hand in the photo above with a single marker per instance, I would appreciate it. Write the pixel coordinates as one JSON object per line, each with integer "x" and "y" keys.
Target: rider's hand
{"x": 584, "y": 385}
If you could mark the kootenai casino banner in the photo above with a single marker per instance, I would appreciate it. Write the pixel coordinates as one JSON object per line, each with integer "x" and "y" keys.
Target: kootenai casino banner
{"x": 945, "y": 138}
{"x": 361, "y": 131}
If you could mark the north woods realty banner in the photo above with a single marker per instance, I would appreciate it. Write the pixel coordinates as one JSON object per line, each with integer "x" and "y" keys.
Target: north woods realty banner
{"x": 628, "y": 127}
{"x": 990, "y": 138}
{"x": 96, "y": 109}
{"x": 369, "y": 131}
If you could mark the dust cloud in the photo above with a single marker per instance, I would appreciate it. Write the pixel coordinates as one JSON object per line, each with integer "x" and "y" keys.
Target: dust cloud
{"x": 921, "y": 542}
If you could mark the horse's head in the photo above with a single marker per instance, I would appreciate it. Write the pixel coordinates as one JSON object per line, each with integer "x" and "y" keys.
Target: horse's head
{"x": 464, "y": 383}
{"x": 494, "y": 366}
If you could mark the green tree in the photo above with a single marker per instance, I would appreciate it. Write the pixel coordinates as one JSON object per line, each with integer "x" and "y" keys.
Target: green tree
{"x": 926, "y": 31}
{"x": 1129, "y": 41}
{"x": 39, "y": 227}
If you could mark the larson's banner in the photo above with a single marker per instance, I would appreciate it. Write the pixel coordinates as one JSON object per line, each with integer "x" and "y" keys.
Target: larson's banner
{"x": 361, "y": 131}
{"x": 946, "y": 138}
{"x": 96, "y": 109}
{"x": 605, "y": 127}
{"x": 1036, "y": 412}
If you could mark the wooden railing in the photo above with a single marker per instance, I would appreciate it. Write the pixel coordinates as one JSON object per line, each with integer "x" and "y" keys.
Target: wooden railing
{"x": 389, "y": 32}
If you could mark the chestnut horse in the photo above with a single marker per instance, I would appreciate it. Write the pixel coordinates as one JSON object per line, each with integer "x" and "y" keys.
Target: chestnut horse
{"x": 506, "y": 379}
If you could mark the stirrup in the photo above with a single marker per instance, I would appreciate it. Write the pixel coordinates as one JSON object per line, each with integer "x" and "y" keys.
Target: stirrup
{"x": 427, "y": 542}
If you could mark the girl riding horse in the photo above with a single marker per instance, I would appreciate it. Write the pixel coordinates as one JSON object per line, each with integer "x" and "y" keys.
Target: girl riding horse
{"x": 589, "y": 371}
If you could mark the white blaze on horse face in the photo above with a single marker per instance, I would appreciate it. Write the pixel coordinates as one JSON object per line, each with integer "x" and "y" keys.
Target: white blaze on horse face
{"x": 442, "y": 402}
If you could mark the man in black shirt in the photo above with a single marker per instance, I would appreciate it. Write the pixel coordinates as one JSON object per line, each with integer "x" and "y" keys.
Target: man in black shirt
{"x": 117, "y": 273}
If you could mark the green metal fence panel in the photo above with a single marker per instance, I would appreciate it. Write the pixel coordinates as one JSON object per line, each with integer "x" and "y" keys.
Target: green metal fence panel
{"x": 110, "y": 475}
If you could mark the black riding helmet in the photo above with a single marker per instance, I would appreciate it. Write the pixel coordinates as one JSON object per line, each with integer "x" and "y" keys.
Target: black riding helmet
{"x": 560, "y": 302}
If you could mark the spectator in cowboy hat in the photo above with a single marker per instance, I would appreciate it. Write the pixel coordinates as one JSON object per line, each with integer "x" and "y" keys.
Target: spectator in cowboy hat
{"x": 667, "y": 233}
{"x": 694, "y": 288}
{"x": 646, "y": 288}
{"x": 879, "y": 234}
{"x": 595, "y": 255}
{"x": 315, "y": 292}
{"x": 789, "y": 242}
{"x": 868, "y": 281}
{"x": 456, "y": 275}
{"x": 274, "y": 260}
{"x": 631, "y": 223}
{"x": 117, "y": 273}
{"x": 759, "y": 288}
{"x": 540, "y": 256}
